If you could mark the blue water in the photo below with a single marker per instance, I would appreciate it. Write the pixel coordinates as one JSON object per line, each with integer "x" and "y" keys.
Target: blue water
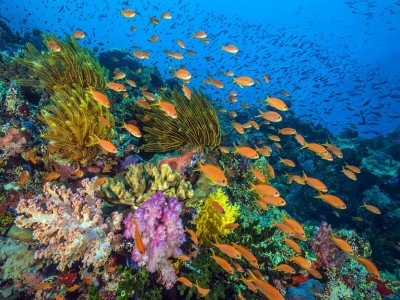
{"x": 339, "y": 60}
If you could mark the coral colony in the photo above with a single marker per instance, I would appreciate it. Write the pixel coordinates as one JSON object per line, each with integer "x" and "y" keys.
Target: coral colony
{"x": 121, "y": 180}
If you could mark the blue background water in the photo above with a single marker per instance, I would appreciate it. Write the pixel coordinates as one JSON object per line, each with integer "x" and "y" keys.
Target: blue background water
{"x": 339, "y": 60}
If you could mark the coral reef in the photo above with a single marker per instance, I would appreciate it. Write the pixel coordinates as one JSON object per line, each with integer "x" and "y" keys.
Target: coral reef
{"x": 14, "y": 141}
{"x": 305, "y": 291}
{"x": 195, "y": 127}
{"x": 69, "y": 225}
{"x": 16, "y": 258}
{"x": 161, "y": 232}
{"x": 142, "y": 181}
{"x": 210, "y": 225}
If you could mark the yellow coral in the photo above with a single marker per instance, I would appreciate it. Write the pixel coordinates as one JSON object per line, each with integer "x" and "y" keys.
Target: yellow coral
{"x": 210, "y": 224}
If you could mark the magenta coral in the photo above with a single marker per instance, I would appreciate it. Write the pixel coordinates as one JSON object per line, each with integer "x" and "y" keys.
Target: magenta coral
{"x": 162, "y": 234}
{"x": 328, "y": 254}
{"x": 70, "y": 225}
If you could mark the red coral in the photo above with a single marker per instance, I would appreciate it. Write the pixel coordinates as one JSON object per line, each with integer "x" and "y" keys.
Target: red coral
{"x": 380, "y": 285}
{"x": 328, "y": 254}
{"x": 67, "y": 278}
{"x": 14, "y": 142}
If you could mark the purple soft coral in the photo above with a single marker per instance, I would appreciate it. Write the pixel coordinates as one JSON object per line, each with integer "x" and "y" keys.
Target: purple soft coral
{"x": 162, "y": 234}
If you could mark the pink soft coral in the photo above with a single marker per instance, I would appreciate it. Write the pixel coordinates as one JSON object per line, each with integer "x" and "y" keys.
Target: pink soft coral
{"x": 162, "y": 234}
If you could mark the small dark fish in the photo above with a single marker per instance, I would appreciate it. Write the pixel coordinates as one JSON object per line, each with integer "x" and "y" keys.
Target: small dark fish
{"x": 129, "y": 160}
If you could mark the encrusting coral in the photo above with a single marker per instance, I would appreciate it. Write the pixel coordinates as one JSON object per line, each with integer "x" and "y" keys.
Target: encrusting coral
{"x": 69, "y": 225}
{"x": 142, "y": 181}
{"x": 211, "y": 224}
{"x": 162, "y": 234}
{"x": 196, "y": 126}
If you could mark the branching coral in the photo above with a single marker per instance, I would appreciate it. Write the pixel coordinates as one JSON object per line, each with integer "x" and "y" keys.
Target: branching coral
{"x": 71, "y": 65}
{"x": 210, "y": 223}
{"x": 162, "y": 234}
{"x": 142, "y": 181}
{"x": 196, "y": 126}
{"x": 69, "y": 225}
{"x": 72, "y": 122}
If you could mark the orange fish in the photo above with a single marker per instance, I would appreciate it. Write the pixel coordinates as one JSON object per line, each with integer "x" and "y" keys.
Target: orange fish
{"x": 315, "y": 273}
{"x": 287, "y": 131}
{"x": 263, "y": 151}
{"x": 183, "y": 257}
{"x": 275, "y": 201}
{"x": 284, "y": 228}
{"x": 132, "y": 129}
{"x": 73, "y": 288}
{"x": 371, "y": 208}
{"x": 213, "y": 173}
{"x": 247, "y": 255}
{"x": 228, "y": 250}
{"x": 42, "y": 286}
{"x": 266, "y": 78}
{"x": 23, "y": 178}
{"x": 131, "y": 83}
{"x": 285, "y": 268}
{"x": 78, "y": 34}
{"x": 260, "y": 176}
{"x": 119, "y": 76}
{"x": 297, "y": 227}
{"x": 300, "y": 139}
{"x": 341, "y": 244}
{"x": 238, "y": 127}
{"x": 185, "y": 281}
{"x": 138, "y": 239}
{"x": 264, "y": 287}
{"x": 199, "y": 35}
{"x": 168, "y": 108}
{"x": 335, "y": 150}
{"x": 182, "y": 74}
{"x": 218, "y": 207}
{"x": 186, "y": 91}
{"x": 231, "y": 226}
{"x": 296, "y": 178}
{"x": 250, "y": 285}
{"x": 106, "y": 145}
{"x": 100, "y": 98}
{"x": 223, "y": 263}
{"x": 243, "y": 81}
{"x": 246, "y": 152}
{"x": 100, "y": 181}
{"x": 262, "y": 204}
{"x": 271, "y": 116}
{"x": 51, "y": 176}
{"x": 349, "y": 174}
{"x": 230, "y": 74}
{"x": 141, "y": 55}
{"x": 315, "y": 183}
{"x": 354, "y": 169}
{"x": 264, "y": 190}
{"x": 53, "y": 46}
{"x": 202, "y": 291}
{"x": 276, "y": 103}
{"x": 149, "y": 96}
{"x": 154, "y": 20}
{"x": 191, "y": 52}
{"x": 237, "y": 267}
{"x": 193, "y": 236}
{"x": 143, "y": 103}
{"x": 301, "y": 261}
{"x": 370, "y": 266}
{"x": 254, "y": 124}
{"x": 274, "y": 138}
{"x": 230, "y": 48}
{"x": 332, "y": 200}
{"x": 181, "y": 44}
{"x": 287, "y": 162}
{"x": 117, "y": 87}
{"x": 166, "y": 15}
{"x": 104, "y": 121}
{"x": 128, "y": 13}
{"x": 271, "y": 170}
{"x": 292, "y": 244}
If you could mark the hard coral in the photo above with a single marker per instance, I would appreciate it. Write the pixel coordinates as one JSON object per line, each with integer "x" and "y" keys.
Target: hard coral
{"x": 142, "y": 181}
{"x": 210, "y": 223}
{"x": 197, "y": 125}
{"x": 69, "y": 225}
{"x": 162, "y": 234}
